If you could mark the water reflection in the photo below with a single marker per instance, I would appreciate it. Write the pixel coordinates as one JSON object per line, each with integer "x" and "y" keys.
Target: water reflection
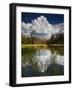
{"x": 45, "y": 57}
{"x": 41, "y": 61}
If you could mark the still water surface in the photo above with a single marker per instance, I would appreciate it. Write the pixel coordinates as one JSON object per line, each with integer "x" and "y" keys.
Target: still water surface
{"x": 42, "y": 61}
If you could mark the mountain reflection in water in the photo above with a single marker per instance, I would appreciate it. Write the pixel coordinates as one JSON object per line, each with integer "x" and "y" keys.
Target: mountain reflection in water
{"x": 41, "y": 62}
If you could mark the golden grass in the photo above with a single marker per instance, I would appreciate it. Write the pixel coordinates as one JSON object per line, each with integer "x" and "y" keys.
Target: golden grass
{"x": 33, "y": 45}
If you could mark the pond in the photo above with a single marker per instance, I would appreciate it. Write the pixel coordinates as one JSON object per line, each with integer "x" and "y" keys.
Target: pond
{"x": 42, "y": 61}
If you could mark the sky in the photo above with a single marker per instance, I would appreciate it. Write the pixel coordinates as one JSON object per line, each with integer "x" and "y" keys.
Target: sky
{"x": 52, "y": 18}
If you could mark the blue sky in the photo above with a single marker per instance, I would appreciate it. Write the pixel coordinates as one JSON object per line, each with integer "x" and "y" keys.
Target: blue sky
{"x": 52, "y": 18}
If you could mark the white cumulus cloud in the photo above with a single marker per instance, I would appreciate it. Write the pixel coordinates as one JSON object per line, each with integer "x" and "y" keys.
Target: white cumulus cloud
{"x": 41, "y": 25}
